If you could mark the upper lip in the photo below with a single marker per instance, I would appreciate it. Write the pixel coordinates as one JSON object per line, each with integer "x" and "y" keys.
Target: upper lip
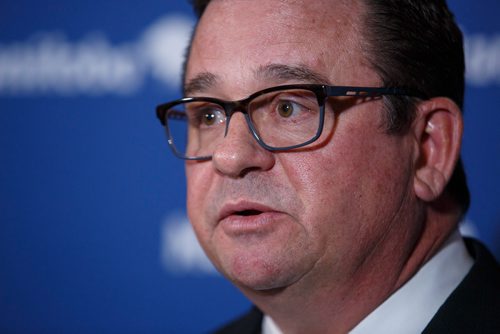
{"x": 242, "y": 206}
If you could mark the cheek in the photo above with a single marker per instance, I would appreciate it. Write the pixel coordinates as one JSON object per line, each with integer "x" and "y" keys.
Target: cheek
{"x": 320, "y": 178}
{"x": 316, "y": 185}
{"x": 199, "y": 181}
{"x": 349, "y": 189}
{"x": 198, "y": 178}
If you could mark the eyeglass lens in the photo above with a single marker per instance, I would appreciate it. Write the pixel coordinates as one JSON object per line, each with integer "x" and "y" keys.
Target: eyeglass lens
{"x": 278, "y": 119}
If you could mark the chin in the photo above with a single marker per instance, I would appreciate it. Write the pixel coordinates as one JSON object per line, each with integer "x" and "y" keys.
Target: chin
{"x": 259, "y": 274}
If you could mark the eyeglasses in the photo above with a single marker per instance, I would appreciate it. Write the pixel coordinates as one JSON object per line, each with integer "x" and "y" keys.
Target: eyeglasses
{"x": 279, "y": 118}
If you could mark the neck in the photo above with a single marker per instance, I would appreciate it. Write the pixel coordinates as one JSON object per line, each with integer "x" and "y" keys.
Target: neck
{"x": 333, "y": 306}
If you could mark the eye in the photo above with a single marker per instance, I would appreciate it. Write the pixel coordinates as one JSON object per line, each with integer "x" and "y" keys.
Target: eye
{"x": 287, "y": 108}
{"x": 211, "y": 117}
{"x": 204, "y": 114}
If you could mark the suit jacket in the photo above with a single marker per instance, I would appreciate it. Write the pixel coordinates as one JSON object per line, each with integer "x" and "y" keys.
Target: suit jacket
{"x": 473, "y": 307}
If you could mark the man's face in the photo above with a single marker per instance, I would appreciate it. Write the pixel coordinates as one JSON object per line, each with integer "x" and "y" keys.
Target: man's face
{"x": 326, "y": 213}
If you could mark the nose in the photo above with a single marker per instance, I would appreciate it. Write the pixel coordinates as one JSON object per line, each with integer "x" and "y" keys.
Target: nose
{"x": 239, "y": 152}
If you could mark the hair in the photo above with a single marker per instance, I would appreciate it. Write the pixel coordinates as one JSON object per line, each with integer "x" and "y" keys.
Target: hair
{"x": 414, "y": 44}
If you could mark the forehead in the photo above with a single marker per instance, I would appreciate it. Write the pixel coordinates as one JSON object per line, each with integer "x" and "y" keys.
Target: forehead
{"x": 237, "y": 37}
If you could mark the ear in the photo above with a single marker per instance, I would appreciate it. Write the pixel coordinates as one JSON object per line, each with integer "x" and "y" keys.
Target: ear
{"x": 438, "y": 131}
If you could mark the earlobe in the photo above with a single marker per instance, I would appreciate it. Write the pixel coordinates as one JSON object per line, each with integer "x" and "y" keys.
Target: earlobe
{"x": 438, "y": 132}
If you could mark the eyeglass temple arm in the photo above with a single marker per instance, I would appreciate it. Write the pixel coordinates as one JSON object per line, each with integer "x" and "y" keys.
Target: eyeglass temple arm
{"x": 173, "y": 114}
{"x": 364, "y": 91}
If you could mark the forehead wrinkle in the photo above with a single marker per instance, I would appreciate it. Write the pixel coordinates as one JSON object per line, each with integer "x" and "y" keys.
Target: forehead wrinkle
{"x": 202, "y": 82}
{"x": 282, "y": 72}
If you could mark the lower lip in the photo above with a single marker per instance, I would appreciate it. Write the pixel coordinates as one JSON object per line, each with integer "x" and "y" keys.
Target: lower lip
{"x": 235, "y": 225}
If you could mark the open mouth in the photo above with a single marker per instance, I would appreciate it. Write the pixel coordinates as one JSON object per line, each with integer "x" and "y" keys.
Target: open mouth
{"x": 248, "y": 218}
{"x": 243, "y": 209}
{"x": 246, "y": 213}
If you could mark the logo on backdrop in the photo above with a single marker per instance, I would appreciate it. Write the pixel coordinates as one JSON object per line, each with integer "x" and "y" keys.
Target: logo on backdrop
{"x": 482, "y": 55}
{"x": 180, "y": 251}
{"x": 49, "y": 64}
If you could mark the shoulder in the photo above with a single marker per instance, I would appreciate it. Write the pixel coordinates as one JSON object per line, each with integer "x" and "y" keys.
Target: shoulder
{"x": 473, "y": 306}
{"x": 249, "y": 323}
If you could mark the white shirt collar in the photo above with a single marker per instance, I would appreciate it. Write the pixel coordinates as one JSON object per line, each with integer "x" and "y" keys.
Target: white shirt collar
{"x": 427, "y": 290}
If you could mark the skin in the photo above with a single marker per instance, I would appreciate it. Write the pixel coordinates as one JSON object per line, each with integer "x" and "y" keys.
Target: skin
{"x": 350, "y": 212}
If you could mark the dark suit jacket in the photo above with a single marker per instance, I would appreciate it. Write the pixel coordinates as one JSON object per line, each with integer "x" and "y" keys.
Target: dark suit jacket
{"x": 473, "y": 307}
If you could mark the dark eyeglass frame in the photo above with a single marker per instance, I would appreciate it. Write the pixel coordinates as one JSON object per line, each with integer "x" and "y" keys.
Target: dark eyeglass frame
{"x": 322, "y": 92}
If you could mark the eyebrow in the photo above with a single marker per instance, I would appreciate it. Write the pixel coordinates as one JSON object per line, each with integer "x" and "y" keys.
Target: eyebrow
{"x": 200, "y": 83}
{"x": 204, "y": 81}
{"x": 283, "y": 72}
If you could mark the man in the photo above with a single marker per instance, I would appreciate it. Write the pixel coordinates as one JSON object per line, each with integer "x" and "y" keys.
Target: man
{"x": 332, "y": 201}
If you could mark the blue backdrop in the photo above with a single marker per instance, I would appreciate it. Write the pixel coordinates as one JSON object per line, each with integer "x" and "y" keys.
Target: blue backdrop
{"x": 93, "y": 234}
